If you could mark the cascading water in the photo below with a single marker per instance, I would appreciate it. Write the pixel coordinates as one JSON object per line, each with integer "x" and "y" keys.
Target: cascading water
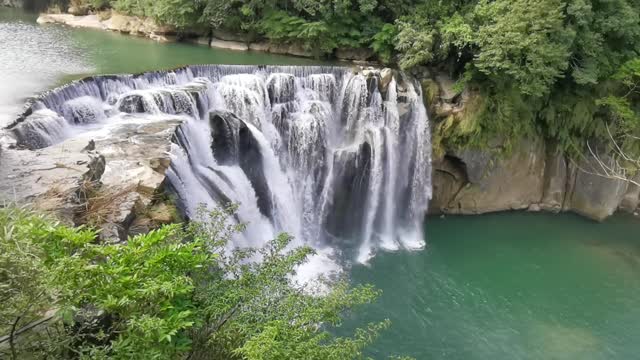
{"x": 336, "y": 158}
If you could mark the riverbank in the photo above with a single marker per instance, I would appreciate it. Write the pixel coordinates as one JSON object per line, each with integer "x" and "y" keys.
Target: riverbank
{"x": 145, "y": 27}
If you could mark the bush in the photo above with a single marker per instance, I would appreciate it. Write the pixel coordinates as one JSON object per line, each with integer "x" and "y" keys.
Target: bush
{"x": 171, "y": 293}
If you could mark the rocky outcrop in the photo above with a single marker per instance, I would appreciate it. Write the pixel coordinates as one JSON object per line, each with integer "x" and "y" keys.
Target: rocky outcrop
{"x": 485, "y": 181}
{"x": 131, "y": 25}
{"x": 89, "y": 21}
{"x": 106, "y": 180}
{"x": 478, "y": 181}
{"x": 534, "y": 175}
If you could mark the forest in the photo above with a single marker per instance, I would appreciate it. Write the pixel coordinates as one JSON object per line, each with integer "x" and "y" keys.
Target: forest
{"x": 560, "y": 69}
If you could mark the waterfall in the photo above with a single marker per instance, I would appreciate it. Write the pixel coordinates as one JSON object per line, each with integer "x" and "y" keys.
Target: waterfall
{"x": 338, "y": 158}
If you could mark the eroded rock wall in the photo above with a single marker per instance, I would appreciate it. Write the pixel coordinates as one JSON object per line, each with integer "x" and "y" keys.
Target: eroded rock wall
{"x": 533, "y": 175}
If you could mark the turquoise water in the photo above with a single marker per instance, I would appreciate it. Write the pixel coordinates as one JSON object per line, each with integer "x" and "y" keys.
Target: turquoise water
{"x": 504, "y": 286}
{"x": 511, "y": 286}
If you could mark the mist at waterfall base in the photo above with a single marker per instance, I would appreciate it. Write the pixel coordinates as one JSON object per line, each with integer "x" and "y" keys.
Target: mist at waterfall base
{"x": 337, "y": 159}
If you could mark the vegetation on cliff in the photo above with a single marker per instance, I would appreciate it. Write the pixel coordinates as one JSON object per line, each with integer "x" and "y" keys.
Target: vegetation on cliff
{"x": 170, "y": 294}
{"x": 538, "y": 67}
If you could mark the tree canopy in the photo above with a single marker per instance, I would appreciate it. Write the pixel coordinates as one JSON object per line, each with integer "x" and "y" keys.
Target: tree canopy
{"x": 539, "y": 65}
{"x": 177, "y": 292}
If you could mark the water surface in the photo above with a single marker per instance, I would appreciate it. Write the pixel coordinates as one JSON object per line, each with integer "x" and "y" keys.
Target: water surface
{"x": 36, "y": 57}
{"x": 511, "y": 286}
{"x": 504, "y": 286}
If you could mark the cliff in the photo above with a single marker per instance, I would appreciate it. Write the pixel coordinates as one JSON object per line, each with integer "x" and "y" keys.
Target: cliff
{"x": 533, "y": 175}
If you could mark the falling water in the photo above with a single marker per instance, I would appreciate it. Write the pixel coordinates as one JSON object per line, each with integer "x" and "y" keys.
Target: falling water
{"x": 337, "y": 158}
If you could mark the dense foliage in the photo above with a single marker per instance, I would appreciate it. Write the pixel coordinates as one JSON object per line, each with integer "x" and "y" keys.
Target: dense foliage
{"x": 538, "y": 66}
{"x": 173, "y": 293}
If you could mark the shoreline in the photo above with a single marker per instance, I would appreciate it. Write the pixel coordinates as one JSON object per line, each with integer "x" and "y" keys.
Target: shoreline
{"x": 135, "y": 26}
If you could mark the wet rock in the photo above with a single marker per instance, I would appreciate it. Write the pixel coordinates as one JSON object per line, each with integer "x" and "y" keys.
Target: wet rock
{"x": 386, "y": 75}
{"x": 97, "y": 166}
{"x": 41, "y": 129}
{"x": 133, "y": 103}
{"x": 449, "y": 177}
{"x": 281, "y": 88}
{"x": 234, "y": 144}
{"x": 351, "y": 181}
{"x": 534, "y": 208}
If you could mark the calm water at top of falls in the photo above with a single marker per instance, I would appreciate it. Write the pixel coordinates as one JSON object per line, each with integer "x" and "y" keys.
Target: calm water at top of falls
{"x": 34, "y": 58}
{"x": 504, "y": 286}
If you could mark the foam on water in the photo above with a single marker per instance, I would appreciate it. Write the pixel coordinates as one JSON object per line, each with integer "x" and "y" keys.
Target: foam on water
{"x": 330, "y": 156}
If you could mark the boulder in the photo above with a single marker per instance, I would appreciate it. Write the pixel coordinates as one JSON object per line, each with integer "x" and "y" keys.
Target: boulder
{"x": 88, "y": 21}
{"x": 386, "y": 75}
{"x": 631, "y": 198}
{"x": 594, "y": 196}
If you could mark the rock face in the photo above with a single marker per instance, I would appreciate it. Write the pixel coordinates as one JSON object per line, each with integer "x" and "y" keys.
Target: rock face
{"x": 594, "y": 196}
{"x": 111, "y": 180}
{"x": 631, "y": 200}
{"x": 480, "y": 182}
{"x": 476, "y": 182}
{"x": 533, "y": 176}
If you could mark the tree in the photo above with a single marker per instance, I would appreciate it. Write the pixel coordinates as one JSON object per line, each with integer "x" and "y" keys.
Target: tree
{"x": 172, "y": 293}
{"x": 620, "y": 159}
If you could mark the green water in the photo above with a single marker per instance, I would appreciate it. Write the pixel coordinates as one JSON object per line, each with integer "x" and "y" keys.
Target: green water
{"x": 508, "y": 286}
{"x": 511, "y": 286}
{"x": 36, "y": 57}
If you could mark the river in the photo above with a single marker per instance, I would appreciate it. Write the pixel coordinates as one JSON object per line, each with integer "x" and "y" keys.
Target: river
{"x": 501, "y": 286}
{"x": 34, "y": 58}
